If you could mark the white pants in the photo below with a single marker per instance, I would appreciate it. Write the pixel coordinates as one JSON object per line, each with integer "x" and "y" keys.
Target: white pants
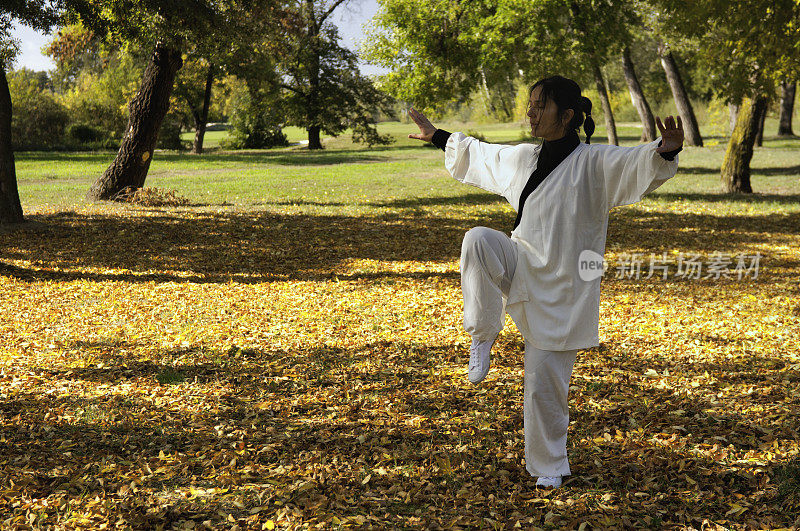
{"x": 488, "y": 262}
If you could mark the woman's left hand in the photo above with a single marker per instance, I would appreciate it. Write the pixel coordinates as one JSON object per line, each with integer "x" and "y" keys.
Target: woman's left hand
{"x": 671, "y": 134}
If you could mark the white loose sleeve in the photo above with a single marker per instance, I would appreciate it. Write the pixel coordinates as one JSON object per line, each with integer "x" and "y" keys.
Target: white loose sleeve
{"x": 488, "y": 166}
{"x": 630, "y": 173}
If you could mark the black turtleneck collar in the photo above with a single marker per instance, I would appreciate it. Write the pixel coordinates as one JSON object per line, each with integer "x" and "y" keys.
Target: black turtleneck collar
{"x": 559, "y": 149}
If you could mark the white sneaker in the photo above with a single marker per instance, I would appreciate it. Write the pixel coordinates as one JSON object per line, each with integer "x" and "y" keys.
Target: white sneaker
{"x": 547, "y": 482}
{"x": 480, "y": 357}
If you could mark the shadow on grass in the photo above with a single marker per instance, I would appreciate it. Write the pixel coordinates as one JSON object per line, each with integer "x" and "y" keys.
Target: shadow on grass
{"x": 754, "y": 198}
{"x": 260, "y": 247}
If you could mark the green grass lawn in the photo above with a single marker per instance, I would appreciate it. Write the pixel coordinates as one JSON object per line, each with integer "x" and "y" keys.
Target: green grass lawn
{"x": 361, "y": 177}
{"x": 287, "y": 351}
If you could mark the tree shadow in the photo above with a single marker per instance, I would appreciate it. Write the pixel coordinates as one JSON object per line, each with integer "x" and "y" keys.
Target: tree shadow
{"x": 417, "y": 202}
{"x": 262, "y": 247}
{"x": 755, "y": 197}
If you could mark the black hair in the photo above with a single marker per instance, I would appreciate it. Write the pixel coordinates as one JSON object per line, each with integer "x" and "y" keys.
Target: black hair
{"x": 566, "y": 94}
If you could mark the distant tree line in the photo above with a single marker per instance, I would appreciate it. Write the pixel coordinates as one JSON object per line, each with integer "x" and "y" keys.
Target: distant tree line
{"x": 744, "y": 53}
{"x": 133, "y": 74}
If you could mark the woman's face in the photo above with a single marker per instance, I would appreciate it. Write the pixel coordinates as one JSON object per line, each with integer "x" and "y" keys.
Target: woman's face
{"x": 543, "y": 117}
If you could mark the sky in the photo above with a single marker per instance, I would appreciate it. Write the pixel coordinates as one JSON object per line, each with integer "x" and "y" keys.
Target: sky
{"x": 349, "y": 18}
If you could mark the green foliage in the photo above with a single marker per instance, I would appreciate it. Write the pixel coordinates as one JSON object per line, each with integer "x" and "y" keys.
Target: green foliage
{"x": 256, "y": 120}
{"x": 100, "y": 99}
{"x": 169, "y": 136}
{"x": 321, "y": 83}
{"x": 87, "y": 138}
{"x": 475, "y": 134}
{"x": 83, "y": 133}
{"x": 489, "y": 47}
{"x": 142, "y": 23}
{"x": 76, "y": 51}
{"x": 746, "y": 47}
{"x": 38, "y": 120}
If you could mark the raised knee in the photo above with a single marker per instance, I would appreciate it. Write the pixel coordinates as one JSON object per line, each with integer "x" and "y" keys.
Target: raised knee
{"x": 474, "y": 238}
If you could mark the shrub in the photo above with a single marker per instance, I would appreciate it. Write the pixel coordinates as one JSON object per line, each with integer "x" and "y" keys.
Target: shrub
{"x": 477, "y": 135}
{"x": 169, "y": 136}
{"x": 38, "y": 119}
{"x": 254, "y": 122}
{"x": 101, "y": 99}
{"x": 84, "y": 134}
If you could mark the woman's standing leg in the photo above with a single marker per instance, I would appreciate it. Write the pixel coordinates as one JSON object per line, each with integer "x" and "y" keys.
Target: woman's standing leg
{"x": 546, "y": 412}
{"x": 488, "y": 261}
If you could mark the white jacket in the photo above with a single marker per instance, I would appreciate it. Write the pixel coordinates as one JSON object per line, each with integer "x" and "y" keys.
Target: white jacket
{"x": 551, "y": 305}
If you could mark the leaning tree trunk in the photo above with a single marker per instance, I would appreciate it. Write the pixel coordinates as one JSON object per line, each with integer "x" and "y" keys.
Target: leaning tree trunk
{"x": 10, "y": 207}
{"x": 682, "y": 102}
{"x": 201, "y": 119}
{"x": 787, "y": 108}
{"x": 736, "y": 166}
{"x": 611, "y": 127}
{"x": 147, "y": 111}
{"x": 637, "y": 98}
{"x": 760, "y": 127}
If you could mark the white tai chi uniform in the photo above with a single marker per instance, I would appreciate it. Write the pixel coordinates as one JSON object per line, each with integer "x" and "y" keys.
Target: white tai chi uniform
{"x": 533, "y": 275}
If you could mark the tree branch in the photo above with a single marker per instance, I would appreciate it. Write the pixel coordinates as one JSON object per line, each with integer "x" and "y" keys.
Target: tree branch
{"x": 293, "y": 89}
{"x": 330, "y": 10}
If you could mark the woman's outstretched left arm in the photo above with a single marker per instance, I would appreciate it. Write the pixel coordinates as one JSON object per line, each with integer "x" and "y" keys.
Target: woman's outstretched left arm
{"x": 630, "y": 173}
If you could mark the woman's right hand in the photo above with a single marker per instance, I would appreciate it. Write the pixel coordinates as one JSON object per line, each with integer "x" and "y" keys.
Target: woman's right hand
{"x": 426, "y": 128}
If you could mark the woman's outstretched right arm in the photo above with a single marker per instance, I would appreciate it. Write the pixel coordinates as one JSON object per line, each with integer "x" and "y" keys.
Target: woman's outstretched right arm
{"x": 487, "y": 166}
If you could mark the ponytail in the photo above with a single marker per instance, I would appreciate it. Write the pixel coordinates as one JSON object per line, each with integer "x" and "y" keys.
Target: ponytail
{"x": 588, "y": 124}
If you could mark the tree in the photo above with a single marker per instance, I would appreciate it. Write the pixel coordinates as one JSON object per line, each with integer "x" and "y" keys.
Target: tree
{"x": 323, "y": 88}
{"x": 786, "y": 108}
{"x": 680, "y": 95}
{"x": 193, "y": 87}
{"x": 758, "y": 40}
{"x": 41, "y": 15}
{"x": 638, "y": 98}
{"x": 442, "y": 51}
{"x": 164, "y": 28}
{"x": 739, "y": 153}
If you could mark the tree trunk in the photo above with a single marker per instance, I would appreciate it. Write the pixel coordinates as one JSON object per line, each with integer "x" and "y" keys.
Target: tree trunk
{"x": 733, "y": 110}
{"x": 760, "y": 126}
{"x": 486, "y": 96}
{"x": 637, "y": 98}
{"x": 10, "y": 206}
{"x": 202, "y": 119}
{"x": 736, "y": 166}
{"x": 611, "y": 127}
{"x": 787, "y": 108}
{"x": 312, "y": 108}
{"x": 682, "y": 102}
{"x": 313, "y": 137}
{"x": 147, "y": 110}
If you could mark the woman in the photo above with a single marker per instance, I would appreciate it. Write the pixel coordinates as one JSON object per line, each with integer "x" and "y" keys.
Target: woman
{"x": 562, "y": 191}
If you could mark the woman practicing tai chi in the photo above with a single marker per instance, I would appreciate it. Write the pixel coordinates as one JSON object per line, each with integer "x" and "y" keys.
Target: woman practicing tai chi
{"x": 562, "y": 191}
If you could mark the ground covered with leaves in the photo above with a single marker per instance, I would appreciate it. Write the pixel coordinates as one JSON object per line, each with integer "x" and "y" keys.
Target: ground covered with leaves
{"x": 300, "y": 363}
